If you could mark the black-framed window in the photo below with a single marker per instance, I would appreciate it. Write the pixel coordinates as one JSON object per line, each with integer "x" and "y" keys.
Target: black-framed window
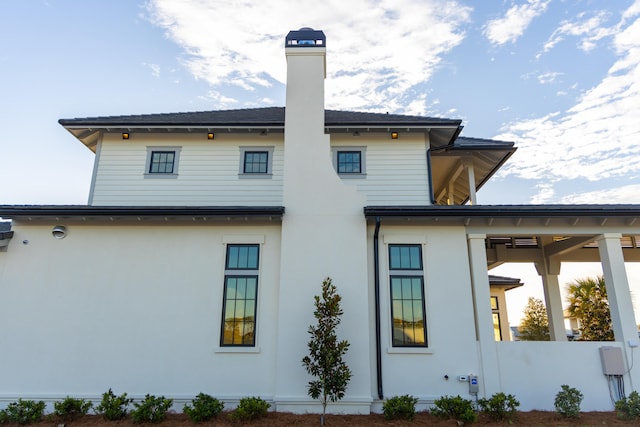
{"x": 256, "y": 162}
{"x": 240, "y": 295}
{"x": 162, "y": 161}
{"x": 406, "y": 279}
{"x": 349, "y": 162}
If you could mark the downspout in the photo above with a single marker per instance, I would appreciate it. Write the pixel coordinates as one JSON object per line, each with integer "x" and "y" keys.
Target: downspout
{"x": 376, "y": 285}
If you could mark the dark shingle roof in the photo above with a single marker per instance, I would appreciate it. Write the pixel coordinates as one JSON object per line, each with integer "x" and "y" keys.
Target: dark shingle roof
{"x": 270, "y": 116}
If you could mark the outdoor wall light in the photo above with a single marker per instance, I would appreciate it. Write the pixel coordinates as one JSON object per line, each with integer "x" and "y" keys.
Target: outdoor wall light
{"x": 210, "y": 135}
{"x": 125, "y": 135}
{"x": 59, "y": 231}
{"x": 394, "y": 135}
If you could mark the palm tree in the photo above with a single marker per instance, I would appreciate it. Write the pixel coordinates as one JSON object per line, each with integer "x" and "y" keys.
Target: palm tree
{"x": 587, "y": 298}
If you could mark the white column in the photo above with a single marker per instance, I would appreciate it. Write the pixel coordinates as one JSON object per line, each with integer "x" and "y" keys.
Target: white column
{"x": 490, "y": 375}
{"x": 549, "y": 271}
{"x": 472, "y": 181}
{"x": 619, "y": 296}
{"x": 615, "y": 278}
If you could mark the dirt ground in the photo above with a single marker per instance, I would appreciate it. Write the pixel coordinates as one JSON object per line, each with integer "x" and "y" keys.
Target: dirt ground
{"x": 533, "y": 418}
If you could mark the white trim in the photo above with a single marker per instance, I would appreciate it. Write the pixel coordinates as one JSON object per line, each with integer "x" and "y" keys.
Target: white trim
{"x": 94, "y": 173}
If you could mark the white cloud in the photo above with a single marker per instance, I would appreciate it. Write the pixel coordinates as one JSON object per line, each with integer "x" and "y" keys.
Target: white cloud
{"x": 622, "y": 195}
{"x": 595, "y": 139}
{"x": 404, "y": 40}
{"x": 155, "y": 69}
{"x": 550, "y": 77}
{"x": 589, "y": 29}
{"x": 510, "y": 27}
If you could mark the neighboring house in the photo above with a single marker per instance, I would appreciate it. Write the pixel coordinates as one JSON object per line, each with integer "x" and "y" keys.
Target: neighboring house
{"x": 194, "y": 265}
{"x": 498, "y": 285}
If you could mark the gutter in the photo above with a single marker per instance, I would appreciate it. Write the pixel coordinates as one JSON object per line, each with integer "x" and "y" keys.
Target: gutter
{"x": 376, "y": 284}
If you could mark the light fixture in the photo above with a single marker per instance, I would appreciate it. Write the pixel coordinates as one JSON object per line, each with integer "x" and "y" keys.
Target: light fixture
{"x": 125, "y": 135}
{"x": 59, "y": 231}
{"x": 210, "y": 135}
{"x": 394, "y": 135}
{"x": 356, "y": 133}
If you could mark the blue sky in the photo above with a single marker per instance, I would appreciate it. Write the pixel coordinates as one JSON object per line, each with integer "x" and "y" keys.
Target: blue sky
{"x": 560, "y": 78}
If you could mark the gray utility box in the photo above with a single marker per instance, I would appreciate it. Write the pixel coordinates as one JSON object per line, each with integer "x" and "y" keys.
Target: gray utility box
{"x": 612, "y": 361}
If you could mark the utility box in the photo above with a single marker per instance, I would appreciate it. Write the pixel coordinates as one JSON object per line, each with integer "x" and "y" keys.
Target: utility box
{"x": 612, "y": 360}
{"x": 474, "y": 387}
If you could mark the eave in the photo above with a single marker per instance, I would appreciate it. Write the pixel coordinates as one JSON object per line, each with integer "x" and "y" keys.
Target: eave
{"x": 513, "y": 216}
{"x": 141, "y": 213}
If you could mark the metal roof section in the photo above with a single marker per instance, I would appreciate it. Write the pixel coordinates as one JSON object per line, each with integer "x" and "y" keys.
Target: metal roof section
{"x": 513, "y": 216}
{"x": 141, "y": 213}
{"x": 507, "y": 283}
{"x": 258, "y": 120}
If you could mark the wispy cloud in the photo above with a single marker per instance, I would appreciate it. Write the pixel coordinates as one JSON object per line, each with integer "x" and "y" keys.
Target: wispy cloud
{"x": 404, "y": 39}
{"x": 623, "y": 195}
{"x": 588, "y": 28}
{"x": 514, "y": 23}
{"x": 598, "y": 137}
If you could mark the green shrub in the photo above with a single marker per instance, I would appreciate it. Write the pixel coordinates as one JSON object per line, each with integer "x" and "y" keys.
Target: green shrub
{"x": 151, "y": 410}
{"x": 500, "y": 406}
{"x": 3, "y": 417}
{"x": 250, "y": 408}
{"x": 23, "y": 412}
{"x": 204, "y": 408}
{"x": 71, "y": 408}
{"x": 568, "y": 401}
{"x": 400, "y": 407}
{"x": 113, "y": 407}
{"x": 454, "y": 407}
{"x": 628, "y": 408}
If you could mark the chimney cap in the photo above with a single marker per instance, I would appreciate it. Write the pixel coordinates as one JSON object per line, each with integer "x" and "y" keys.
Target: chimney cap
{"x": 306, "y": 37}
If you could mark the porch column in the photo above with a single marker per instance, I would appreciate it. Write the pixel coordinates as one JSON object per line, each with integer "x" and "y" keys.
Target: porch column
{"x": 615, "y": 279}
{"x": 549, "y": 271}
{"x": 490, "y": 375}
{"x": 468, "y": 164}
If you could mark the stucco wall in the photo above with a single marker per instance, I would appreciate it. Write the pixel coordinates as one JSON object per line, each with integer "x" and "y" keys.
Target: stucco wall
{"x": 135, "y": 308}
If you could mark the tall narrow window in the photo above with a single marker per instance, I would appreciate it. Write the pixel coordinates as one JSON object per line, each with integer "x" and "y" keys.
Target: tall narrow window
{"x": 407, "y": 296}
{"x": 240, "y": 295}
{"x": 349, "y": 162}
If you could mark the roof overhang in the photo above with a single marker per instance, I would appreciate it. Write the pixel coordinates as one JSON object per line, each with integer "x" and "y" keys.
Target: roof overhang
{"x": 511, "y": 216}
{"x": 141, "y": 213}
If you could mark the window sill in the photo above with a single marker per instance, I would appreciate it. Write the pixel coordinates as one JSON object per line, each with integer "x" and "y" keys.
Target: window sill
{"x": 255, "y": 175}
{"x": 409, "y": 350}
{"x": 353, "y": 175}
{"x": 160, "y": 175}
{"x": 237, "y": 350}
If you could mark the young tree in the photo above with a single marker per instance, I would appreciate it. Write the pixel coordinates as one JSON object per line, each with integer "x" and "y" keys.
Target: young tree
{"x": 535, "y": 324}
{"x": 325, "y": 351}
{"x": 588, "y": 303}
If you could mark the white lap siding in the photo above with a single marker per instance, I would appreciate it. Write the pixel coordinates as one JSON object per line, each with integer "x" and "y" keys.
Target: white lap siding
{"x": 207, "y": 172}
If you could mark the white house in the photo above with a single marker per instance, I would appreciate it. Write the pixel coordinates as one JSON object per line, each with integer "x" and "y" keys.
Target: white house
{"x": 194, "y": 264}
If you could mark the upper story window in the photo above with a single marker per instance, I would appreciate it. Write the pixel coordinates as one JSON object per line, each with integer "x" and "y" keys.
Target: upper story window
{"x": 406, "y": 278}
{"x": 162, "y": 162}
{"x": 495, "y": 314}
{"x": 349, "y": 162}
{"x": 256, "y": 162}
{"x": 240, "y": 295}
